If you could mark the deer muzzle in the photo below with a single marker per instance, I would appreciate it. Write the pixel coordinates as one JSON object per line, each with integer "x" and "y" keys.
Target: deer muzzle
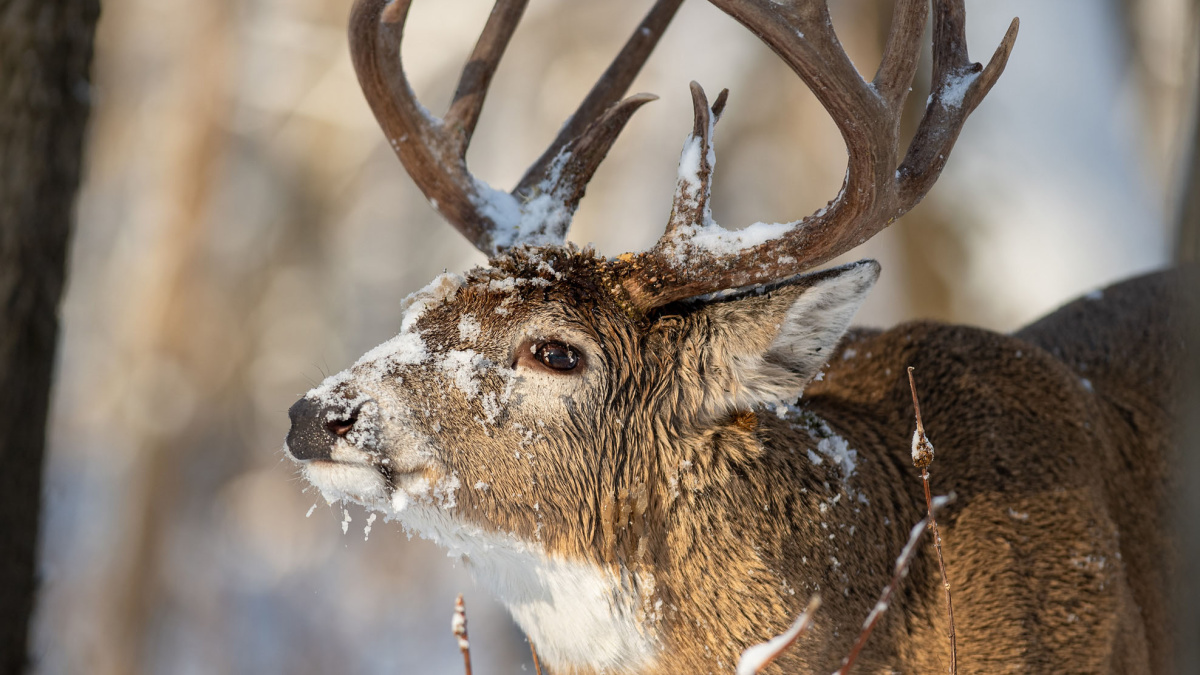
{"x": 317, "y": 426}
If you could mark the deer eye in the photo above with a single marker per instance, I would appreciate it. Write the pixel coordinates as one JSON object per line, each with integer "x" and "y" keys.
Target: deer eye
{"x": 556, "y": 356}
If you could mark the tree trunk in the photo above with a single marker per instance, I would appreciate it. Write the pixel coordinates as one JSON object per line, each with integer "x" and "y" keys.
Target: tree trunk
{"x": 45, "y": 90}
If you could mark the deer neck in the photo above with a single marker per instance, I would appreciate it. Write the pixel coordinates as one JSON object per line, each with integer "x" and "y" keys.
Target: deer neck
{"x": 687, "y": 551}
{"x": 582, "y": 616}
{"x": 741, "y": 556}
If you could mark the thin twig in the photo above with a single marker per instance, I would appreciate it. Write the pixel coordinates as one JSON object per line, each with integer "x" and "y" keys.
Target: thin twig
{"x": 459, "y": 625}
{"x": 921, "y": 440}
{"x": 537, "y": 666}
{"x": 758, "y": 657}
{"x": 922, "y": 449}
{"x": 881, "y": 605}
{"x": 937, "y": 544}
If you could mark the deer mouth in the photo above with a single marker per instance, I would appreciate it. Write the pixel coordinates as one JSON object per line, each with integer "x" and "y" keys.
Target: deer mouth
{"x": 348, "y": 453}
{"x": 348, "y": 481}
{"x": 376, "y": 485}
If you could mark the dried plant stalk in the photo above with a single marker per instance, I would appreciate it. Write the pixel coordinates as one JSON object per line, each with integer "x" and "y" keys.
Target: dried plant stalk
{"x": 885, "y": 597}
{"x": 921, "y": 443}
{"x": 459, "y": 625}
{"x": 537, "y": 666}
{"x": 758, "y": 657}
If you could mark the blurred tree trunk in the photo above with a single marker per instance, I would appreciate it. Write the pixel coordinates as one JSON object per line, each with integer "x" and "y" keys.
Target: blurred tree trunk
{"x": 45, "y": 57}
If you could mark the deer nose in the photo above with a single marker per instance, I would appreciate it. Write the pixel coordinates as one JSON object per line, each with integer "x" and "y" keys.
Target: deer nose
{"x": 316, "y": 428}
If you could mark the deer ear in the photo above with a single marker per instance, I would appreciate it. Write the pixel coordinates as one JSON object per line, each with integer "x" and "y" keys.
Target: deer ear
{"x": 764, "y": 346}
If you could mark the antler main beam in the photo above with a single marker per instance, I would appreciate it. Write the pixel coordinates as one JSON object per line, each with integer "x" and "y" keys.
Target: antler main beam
{"x": 696, "y": 256}
{"x": 433, "y": 151}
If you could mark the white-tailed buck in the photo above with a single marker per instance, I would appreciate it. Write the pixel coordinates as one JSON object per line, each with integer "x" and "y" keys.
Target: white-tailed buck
{"x": 618, "y": 448}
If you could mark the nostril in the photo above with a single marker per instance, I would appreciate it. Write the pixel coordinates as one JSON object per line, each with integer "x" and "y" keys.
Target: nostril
{"x": 317, "y": 425}
{"x": 342, "y": 427}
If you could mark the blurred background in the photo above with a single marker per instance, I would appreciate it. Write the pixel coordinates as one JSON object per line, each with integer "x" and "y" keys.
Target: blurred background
{"x": 244, "y": 231}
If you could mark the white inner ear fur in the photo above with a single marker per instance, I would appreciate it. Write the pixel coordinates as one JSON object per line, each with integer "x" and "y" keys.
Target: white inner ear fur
{"x": 802, "y": 321}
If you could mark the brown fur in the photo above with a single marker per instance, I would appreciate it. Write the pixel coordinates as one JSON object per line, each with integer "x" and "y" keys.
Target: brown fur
{"x": 1053, "y": 441}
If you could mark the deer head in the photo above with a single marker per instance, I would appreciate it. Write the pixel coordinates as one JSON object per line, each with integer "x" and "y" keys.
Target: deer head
{"x": 539, "y": 416}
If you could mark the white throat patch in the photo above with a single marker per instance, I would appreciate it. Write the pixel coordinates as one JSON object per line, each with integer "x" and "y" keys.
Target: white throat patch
{"x": 578, "y": 614}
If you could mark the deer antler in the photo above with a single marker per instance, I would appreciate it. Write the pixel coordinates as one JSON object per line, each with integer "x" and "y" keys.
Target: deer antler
{"x": 433, "y": 150}
{"x": 696, "y": 256}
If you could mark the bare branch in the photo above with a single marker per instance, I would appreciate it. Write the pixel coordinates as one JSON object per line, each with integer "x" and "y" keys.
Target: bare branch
{"x": 885, "y": 597}
{"x": 758, "y": 657}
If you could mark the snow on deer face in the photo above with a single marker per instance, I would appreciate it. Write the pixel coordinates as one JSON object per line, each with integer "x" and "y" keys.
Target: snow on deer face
{"x": 533, "y": 427}
{"x": 491, "y": 425}
{"x": 522, "y": 401}
{"x": 496, "y": 391}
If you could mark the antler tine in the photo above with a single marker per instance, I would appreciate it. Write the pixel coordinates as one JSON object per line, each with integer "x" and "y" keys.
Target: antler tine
{"x": 902, "y": 52}
{"x": 420, "y": 141}
{"x": 434, "y": 151}
{"x": 878, "y": 189}
{"x": 958, "y": 86}
{"x": 477, "y": 74}
{"x": 605, "y": 93}
{"x": 694, "y": 187}
{"x": 801, "y": 33}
